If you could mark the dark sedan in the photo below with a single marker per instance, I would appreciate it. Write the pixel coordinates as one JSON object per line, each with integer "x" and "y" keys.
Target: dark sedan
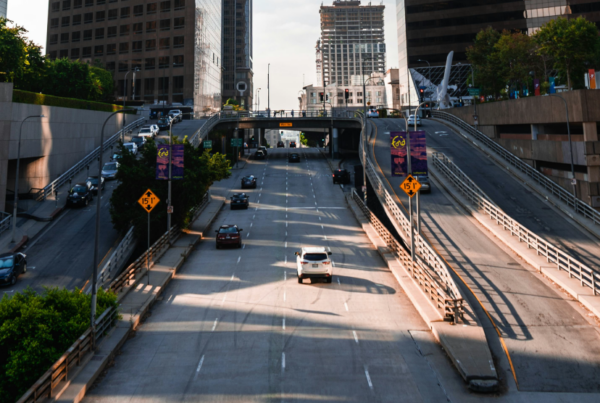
{"x": 93, "y": 182}
{"x": 164, "y": 124}
{"x": 240, "y": 200}
{"x": 294, "y": 158}
{"x": 249, "y": 182}
{"x": 140, "y": 142}
{"x": 425, "y": 185}
{"x": 229, "y": 235}
{"x": 293, "y": 144}
{"x": 259, "y": 155}
{"x": 280, "y": 144}
{"x": 80, "y": 195}
{"x": 11, "y": 266}
{"x": 341, "y": 176}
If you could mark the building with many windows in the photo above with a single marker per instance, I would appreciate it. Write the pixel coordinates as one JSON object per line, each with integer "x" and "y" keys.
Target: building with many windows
{"x": 429, "y": 29}
{"x": 352, "y": 44}
{"x": 237, "y": 45}
{"x": 3, "y": 7}
{"x": 173, "y": 46}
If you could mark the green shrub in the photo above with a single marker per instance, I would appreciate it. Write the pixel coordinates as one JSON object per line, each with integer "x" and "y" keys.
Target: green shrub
{"x": 26, "y": 97}
{"x": 35, "y": 331}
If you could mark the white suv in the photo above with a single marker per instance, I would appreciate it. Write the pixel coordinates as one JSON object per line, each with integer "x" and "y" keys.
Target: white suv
{"x": 314, "y": 263}
{"x": 146, "y": 132}
{"x": 176, "y": 114}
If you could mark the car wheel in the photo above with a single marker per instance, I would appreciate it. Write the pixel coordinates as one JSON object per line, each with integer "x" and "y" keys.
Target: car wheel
{"x": 13, "y": 280}
{"x": 329, "y": 279}
{"x": 218, "y": 247}
{"x": 25, "y": 268}
{"x": 299, "y": 280}
{"x": 86, "y": 203}
{"x": 240, "y": 245}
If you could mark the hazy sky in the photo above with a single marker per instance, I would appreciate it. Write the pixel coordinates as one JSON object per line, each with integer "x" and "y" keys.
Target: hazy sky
{"x": 285, "y": 34}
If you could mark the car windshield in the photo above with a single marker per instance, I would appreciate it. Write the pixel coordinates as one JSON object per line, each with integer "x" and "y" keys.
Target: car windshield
{"x": 314, "y": 257}
{"x": 163, "y": 120}
{"x": 129, "y": 146}
{"x": 6, "y": 263}
{"x": 93, "y": 181}
{"x": 145, "y": 130}
{"x": 228, "y": 230}
{"x": 79, "y": 189}
{"x": 239, "y": 196}
{"x": 422, "y": 179}
{"x": 110, "y": 167}
{"x": 137, "y": 140}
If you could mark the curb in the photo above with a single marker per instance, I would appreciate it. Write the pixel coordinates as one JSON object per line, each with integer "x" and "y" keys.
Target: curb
{"x": 19, "y": 244}
{"x": 472, "y": 360}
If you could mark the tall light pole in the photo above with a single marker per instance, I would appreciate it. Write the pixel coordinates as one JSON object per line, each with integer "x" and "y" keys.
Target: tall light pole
{"x": 269, "y": 89}
{"x": 429, "y": 74}
{"x": 97, "y": 236}
{"x": 573, "y": 180}
{"x": 16, "y": 200}
{"x": 258, "y": 99}
{"x": 125, "y": 96}
{"x": 365, "y": 92}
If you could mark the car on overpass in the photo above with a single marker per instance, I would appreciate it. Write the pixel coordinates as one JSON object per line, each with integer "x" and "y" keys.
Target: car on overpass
{"x": 176, "y": 114}
{"x": 292, "y": 144}
{"x": 314, "y": 263}
{"x": 249, "y": 182}
{"x": 139, "y": 141}
{"x": 164, "y": 123}
{"x": 411, "y": 120}
{"x": 259, "y": 155}
{"x": 372, "y": 113}
{"x": 131, "y": 147}
{"x": 147, "y": 131}
{"x": 425, "y": 185}
{"x": 294, "y": 158}
{"x": 280, "y": 144}
{"x": 229, "y": 235}
{"x": 240, "y": 200}
{"x": 109, "y": 170}
{"x": 263, "y": 149}
{"x": 93, "y": 182}
{"x": 11, "y": 266}
{"x": 80, "y": 195}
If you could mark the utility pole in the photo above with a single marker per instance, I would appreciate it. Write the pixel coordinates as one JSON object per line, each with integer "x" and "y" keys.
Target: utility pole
{"x": 269, "y": 89}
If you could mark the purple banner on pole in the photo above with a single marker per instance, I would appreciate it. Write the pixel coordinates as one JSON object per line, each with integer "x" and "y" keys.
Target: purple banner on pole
{"x": 398, "y": 149}
{"x": 177, "y": 160}
{"x": 162, "y": 162}
{"x": 418, "y": 154}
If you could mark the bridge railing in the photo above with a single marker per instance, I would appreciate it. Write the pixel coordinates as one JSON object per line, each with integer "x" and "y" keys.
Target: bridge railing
{"x": 426, "y": 257}
{"x": 49, "y": 189}
{"x": 289, "y": 114}
{"x": 5, "y": 221}
{"x": 588, "y": 276}
{"x": 565, "y": 196}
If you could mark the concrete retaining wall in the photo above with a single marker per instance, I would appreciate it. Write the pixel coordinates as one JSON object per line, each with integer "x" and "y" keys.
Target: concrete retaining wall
{"x": 49, "y": 146}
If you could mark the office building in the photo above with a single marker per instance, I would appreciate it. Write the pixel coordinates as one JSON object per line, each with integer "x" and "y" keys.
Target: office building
{"x": 352, "y": 42}
{"x": 429, "y": 29}
{"x": 237, "y": 40}
{"x": 174, "y": 46}
{"x": 3, "y": 7}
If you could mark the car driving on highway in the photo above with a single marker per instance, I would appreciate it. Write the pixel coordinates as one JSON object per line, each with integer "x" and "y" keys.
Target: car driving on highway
{"x": 80, "y": 195}
{"x": 176, "y": 114}
{"x": 229, "y": 235}
{"x": 109, "y": 170}
{"x": 425, "y": 185}
{"x": 249, "y": 182}
{"x": 259, "y": 155}
{"x": 294, "y": 158}
{"x": 314, "y": 263}
{"x": 93, "y": 182}
{"x": 372, "y": 113}
{"x": 292, "y": 144}
{"x": 240, "y": 200}
{"x": 11, "y": 266}
{"x": 411, "y": 120}
{"x": 146, "y": 132}
{"x": 341, "y": 176}
{"x": 164, "y": 123}
{"x": 263, "y": 149}
{"x": 280, "y": 144}
{"x": 140, "y": 142}
{"x": 132, "y": 147}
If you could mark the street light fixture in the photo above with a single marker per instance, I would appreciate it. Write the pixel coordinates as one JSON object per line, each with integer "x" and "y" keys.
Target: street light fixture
{"x": 573, "y": 180}
{"x": 125, "y": 96}
{"x": 16, "y": 200}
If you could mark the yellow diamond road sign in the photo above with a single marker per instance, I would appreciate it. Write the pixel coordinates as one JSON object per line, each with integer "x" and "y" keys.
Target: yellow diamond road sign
{"x": 148, "y": 201}
{"x": 410, "y": 186}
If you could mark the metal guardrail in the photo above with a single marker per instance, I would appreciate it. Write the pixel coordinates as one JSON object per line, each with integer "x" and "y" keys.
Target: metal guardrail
{"x": 116, "y": 259}
{"x": 49, "y": 189}
{"x": 5, "y": 221}
{"x": 435, "y": 265}
{"x": 565, "y": 196}
{"x": 587, "y": 276}
{"x": 448, "y": 306}
{"x": 44, "y": 387}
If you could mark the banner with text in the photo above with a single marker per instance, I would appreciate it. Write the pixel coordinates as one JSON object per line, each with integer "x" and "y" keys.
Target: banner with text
{"x": 162, "y": 162}
{"x": 418, "y": 154}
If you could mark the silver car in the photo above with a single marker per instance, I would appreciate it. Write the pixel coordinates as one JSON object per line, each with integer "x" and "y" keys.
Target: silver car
{"x": 109, "y": 170}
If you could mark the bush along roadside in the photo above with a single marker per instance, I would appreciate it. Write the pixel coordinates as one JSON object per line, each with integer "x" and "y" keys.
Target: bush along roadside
{"x": 36, "y": 329}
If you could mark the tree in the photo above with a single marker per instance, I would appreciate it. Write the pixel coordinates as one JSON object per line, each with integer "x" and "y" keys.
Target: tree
{"x": 13, "y": 50}
{"x": 571, "y": 43}
{"x": 201, "y": 170}
{"x": 303, "y": 140}
{"x": 515, "y": 56}
{"x": 482, "y": 56}
{"x": 235, "y": 105}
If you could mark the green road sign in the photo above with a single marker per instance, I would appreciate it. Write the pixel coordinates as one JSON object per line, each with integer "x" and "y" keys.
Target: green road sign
{"x": 207, "y": 144}
{"x": 474, "y": 92}
{"x": 237, "y": 142}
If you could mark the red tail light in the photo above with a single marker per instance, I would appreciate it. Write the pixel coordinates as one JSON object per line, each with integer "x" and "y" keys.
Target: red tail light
{"x": 221, "y": 236}
{"x": 235, "y": 236}
{"x": 326, "y": 262}
{"x": 303, "y": 262}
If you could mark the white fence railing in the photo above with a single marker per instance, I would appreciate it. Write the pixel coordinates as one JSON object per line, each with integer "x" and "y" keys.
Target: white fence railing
{"x": 567, "y": 197}
{"x": 426, "y": 256}
{"x": 81, "y": 165}
{"x": 5, "y": 221}
{"x": 587, "y": 276}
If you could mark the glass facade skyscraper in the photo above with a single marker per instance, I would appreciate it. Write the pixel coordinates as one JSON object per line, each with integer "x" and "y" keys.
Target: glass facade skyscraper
{"x": 3, "y": 7}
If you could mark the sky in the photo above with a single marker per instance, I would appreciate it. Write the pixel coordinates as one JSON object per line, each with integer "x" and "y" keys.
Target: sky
{"x": 285, "y": 35}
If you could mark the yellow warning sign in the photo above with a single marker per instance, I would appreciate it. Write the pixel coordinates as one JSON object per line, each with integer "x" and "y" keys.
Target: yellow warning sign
{"x": 148, "y": 201}
{"x": 410, "y": 186}
{"x": 285, "y": 125}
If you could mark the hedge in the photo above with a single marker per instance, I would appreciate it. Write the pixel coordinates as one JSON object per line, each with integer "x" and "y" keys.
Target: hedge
{"x": 35, "y": 331}
{"x": 26, "y": 97}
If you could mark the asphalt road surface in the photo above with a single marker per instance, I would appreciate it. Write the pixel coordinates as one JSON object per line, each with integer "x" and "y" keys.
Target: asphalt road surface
{"x": 235, "y": 326}
{"x": 554, "y": 344}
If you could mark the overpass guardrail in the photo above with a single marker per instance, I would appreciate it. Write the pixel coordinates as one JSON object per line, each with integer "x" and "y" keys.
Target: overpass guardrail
{"x": 565, "y": 196}
{"x": 5, "y": 221}
{"x": 428, "y": 260}
{"x": 49, "y": 189}
{"x": 587, "y": 276}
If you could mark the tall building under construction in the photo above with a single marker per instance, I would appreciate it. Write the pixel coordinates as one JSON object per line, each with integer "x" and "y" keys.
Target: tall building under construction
{"x": 352, "y": 42}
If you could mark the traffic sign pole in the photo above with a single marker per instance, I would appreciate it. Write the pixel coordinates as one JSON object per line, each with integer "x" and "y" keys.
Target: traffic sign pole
{"x": 410, "y": 205}
{"x": 148, "y": 201}
{"x": 148, "y": 252}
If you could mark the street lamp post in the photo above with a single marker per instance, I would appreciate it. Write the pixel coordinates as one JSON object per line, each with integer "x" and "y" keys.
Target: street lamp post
{"x": 258, "y": 99}
{"x": 365, "y": 91}
{"x": 16, "y": 200}
{"x": 573, "y": 180}
{"x": 125, "y": 96}
{"x": 475, "y": 120}
{"x": 97, "y": 236}
{"x": 269, "y": 89}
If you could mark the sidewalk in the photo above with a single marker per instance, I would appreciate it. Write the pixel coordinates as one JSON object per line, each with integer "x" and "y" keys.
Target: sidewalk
{"x": 45, "y": 211}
